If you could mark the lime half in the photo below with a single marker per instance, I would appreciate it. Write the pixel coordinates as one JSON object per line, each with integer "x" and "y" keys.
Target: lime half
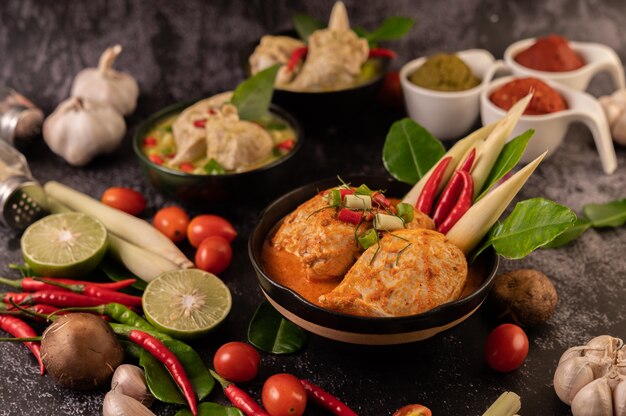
{"x": 68, "y": 245}
{"x": 186, "y": 303}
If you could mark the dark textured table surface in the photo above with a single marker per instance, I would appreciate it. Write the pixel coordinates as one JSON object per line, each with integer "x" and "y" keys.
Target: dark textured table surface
{"x": 179, "y": 49}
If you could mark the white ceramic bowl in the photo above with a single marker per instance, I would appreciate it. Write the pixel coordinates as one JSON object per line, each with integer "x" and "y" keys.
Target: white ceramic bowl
{"x": 447, "y": 114}
{"x": 550, "y": 129}
{"x": 598, "y": 58}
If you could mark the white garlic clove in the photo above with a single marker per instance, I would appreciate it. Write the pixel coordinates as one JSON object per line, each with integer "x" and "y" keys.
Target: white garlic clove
{"x": 117, "y": 404}
{"x": 571, "y": 376}
{"x": 595, "y": 399}
{"x": 80, "y": 129}
{"x": 105, "y": 84}
{"x": 612, "y": 109}
{"x": 619, "y": 399}
{"x": 572, "y": 352}
{"x": 603, "y": 345}
{"x": 618, "y": 129}
{"x": 130, "y": 381}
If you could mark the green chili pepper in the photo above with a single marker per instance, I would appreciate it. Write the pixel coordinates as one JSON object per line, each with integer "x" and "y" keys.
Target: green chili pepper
{"x": 405, "y": 211}
{"x": 368, "y": 238}
{"x": 213, "y": 167}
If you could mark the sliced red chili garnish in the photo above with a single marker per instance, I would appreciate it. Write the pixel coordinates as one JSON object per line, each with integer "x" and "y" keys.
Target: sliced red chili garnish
{"x": 150, "y": 141}
{"x": 347, "y": 215}
{"x": 286, "y": 145}
{"x": 156, "y": 159}
{"x": 199, "y": 123}
{"x": 186, "y": 167}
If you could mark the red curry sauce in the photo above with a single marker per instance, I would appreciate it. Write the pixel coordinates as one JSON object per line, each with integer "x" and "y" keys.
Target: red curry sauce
{"x": 545, "y": 99}
{"x": 552, "y": 54}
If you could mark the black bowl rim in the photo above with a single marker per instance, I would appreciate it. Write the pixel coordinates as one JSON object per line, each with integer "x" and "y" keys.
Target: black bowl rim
{"x": 421, "y": 317}
{"x": 180, "y": 106}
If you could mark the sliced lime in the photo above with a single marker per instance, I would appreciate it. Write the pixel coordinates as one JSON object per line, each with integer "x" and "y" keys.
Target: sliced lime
{"x": 66, "y": 245}
{"x": 186, "y": 303}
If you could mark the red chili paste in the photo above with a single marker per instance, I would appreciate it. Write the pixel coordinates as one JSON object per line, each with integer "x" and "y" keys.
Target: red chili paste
{"x": 545, "y": 99}
{"x": 551, "y": 53}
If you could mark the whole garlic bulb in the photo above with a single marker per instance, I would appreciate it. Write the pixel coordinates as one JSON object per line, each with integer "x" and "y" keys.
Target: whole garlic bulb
{"x": 80, "y": 129}
{"x": 118, "y": 89}
{"x": 591, "y": 378}
{"x": 615, "y": 110}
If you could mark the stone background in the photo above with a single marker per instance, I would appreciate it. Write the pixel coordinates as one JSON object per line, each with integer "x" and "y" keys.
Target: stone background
{"x": 180, "y": 50}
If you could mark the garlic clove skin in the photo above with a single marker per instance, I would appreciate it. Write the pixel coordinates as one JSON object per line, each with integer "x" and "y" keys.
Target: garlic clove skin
{"x": 619, "y": 399}
{"x": 595, "y": 399}
{"x": 571, "y": 376}
{"x": 80, "y": 129}
{"x": 117, "y": 404}
{"x": 118, "y": 89}
{"x": 130, "y": 380}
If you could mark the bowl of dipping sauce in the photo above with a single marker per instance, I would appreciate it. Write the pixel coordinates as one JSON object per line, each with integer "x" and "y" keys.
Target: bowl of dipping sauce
{"x": 442, "y": 93}
{"x": 288, "y": 285}
{"x": 553, "y": 108}
{"x": 202, "y": 179}
{"x": 572, "y": 64}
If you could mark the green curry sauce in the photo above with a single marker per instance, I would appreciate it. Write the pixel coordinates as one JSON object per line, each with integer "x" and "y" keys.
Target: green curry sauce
{"x": 159, "y": 146}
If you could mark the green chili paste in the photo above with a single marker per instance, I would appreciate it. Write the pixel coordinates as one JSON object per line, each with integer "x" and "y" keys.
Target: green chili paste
{"x": 444, "y": 72}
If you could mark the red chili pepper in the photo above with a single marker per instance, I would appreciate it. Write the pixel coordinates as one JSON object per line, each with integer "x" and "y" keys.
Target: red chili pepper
{"x": 212, "y": 111}
{"x": 380, "y": 200}
{"x": 59, "y": 298}
{"x": 200, "y": 123}
{"x": 382, "y": 53}
{"x": 344, "y": 192}
{"x": 326, "y": 400}
{"x": 239, "y": 398}
{"x": 347, "y": 215}
{"x": 186, "y": 167}
{"x": 286, "y": 145}
{"x": 296, "y": 56}
{"x": 21, "y": 329}
{"x": 96, "y": 292}
{"x": 427, "y": 196}
{"x": 149, "y": 142}
{"x": 155, "y": 159}
{"x": 29, "y": 284}
{"x": 170, "y": 361}
{"x": 451, "y": 192}
{"x": 462, "y": 204}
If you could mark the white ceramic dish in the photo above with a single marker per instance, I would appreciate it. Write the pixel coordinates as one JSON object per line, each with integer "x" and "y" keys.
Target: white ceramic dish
{"x": 598, "y": 58}
{"x": 447, "y": 115}
{"x": 550, "y": 129}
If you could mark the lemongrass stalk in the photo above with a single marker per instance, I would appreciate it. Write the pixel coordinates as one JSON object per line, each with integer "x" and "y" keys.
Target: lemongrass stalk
{"x": 493, "y": 145}
{"x": 55, "y": 206}
{"x": 457, "y": 153}
{"x": 476, "y": 222}
{"x": 142, "y": 263}
{"x": 507, "y": 404}
{"x": 126, "y": 226}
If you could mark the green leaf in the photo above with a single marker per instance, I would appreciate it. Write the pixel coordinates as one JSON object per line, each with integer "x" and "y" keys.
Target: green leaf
{"x": 253, "y": 96}
{"x": 116, "y": 272}
{"x": 305, "y": 25}
{"x": 213, "y": 167}
{"x": 270, "y": 332}
{"x": 160, "y": 382}
{"x": 410, "y": 151}
{"x": 212, "y": 409}
{"x": 581, "y": 225}
{"x": 509, "y": 156}
{"x": 391, "y": 29}
{"x": 532, "y": 224}
{"x": 611, "y": 214}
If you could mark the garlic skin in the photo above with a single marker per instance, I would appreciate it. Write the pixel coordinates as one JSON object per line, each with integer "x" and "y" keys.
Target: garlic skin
{"x": 80, "y": 129}
{"x": 592, "y": 378}
{"x": 129, "y": 380}
{"x": 105, "y": 84}
{"x": 117, "y": 404}
{"x": 615, "y": 110}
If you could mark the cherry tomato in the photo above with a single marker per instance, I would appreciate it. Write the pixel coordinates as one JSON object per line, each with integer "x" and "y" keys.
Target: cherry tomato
{"x": 172, "y": 221}
{"x": 390, "y": 94}
{"x": 413, "y": 410}
{"x": 204, "y": 226}
{"x": 506, "y": 347}
{"x": 124, "y": 199}
{"x": 283, "y": 395}
{"x": 236, "y": 361}
{"x": 214, "y": 254}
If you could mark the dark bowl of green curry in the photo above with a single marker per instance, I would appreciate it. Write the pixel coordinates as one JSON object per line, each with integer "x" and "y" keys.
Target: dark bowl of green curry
{"x": 195, "y": 189}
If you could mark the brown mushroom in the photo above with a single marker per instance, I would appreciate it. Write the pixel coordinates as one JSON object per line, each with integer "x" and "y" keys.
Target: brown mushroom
{"x": 526, "y": 294}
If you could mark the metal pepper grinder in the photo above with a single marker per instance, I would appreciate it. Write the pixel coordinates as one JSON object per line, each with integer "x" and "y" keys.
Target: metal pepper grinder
{"x": 22, "y": 199}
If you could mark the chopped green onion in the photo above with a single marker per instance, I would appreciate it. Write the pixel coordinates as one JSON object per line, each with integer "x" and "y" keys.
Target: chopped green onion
{"x": 368, "y": 238}
{"x": 405, "y": 211}
{"x": 334, "y": 198}
{"x": 385, "y": 222}
{"x": 213, "y": 167}
{"x": 363, "y": 202}
{"x": 363, "y": 190}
